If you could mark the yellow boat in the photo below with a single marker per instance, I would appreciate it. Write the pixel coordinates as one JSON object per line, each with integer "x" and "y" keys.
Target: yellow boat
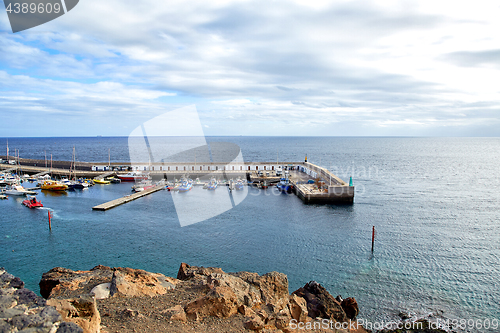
{"x": 101, "y": 181}
{"x": 52, "y": 185}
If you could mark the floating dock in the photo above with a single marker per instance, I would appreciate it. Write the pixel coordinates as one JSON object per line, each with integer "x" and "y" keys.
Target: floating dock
{"x": 128, "y": 198}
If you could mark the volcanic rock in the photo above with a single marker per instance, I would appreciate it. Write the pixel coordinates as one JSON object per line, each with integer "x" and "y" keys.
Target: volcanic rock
{"x": 350, "y": 307}
{"x": 320, "y": 303}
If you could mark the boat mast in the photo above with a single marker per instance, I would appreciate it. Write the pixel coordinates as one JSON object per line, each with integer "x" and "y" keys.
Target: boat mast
{"x": 73, "y": 163}
{"x": 109, "y": 159}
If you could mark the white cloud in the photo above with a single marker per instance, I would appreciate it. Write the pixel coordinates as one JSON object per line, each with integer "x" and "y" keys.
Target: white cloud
{"x": 392, "y": 64}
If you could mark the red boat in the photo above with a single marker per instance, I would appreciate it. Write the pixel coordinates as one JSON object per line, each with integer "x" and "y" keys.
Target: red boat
{"x": 32, "y": 202}
{"x": 132, "y": 176}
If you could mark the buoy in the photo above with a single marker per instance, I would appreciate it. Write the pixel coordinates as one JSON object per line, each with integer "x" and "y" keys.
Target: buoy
{"x": 350, "y": 181}
{"x": 50, "y": 218}
{"x": 373, "y": 237}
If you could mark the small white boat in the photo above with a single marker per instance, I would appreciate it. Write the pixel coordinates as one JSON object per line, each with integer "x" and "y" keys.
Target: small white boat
{"x": 133, "y": 176}
{"x": 16, "y": 190}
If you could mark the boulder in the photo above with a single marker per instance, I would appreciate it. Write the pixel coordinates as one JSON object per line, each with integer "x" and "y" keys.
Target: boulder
{"x": 298, "y": 308}
{"x": 187, "y": 272}
{"x": 175, "y": 313}
{"x": 219, "y": 302}
{"x": 320, "y": 303}
{"x": 229, "y": 293}
{"x": 65, "y": 283}
{"x": 254, "y": 323}
{"x": 350, "y": 307}
{"x": 135, "y": 282}
{"x": 273, "y": 287}
{"x": 81, "y": 311}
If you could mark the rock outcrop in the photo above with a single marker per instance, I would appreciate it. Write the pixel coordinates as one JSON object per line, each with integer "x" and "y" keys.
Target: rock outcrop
{"x": 263, "y": 299}
{"x": 22, "y": 310}
{"x": 320, "y": 303}
{"x": 74, "y": 293}
{"x": 66, "y": 283}
{"x": 258, "y": 302}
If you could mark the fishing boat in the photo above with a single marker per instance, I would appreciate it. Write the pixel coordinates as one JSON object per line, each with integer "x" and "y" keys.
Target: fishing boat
{"x": 284, "y": 185}
{"x": 52, "y": 185}
{"x": 239, "y": 184}
{"x": 212, "y": 184}
{"x": 8, "y": 180}
{"x": 32, "y": 202}
{"x": 101, "y": 181}
{"x": 79, "y": 185}
{"x": 114, "y": 180}
{"x": 132, "y": 176}
{"x": 44, "y": 177}
{"x": 144, "y": 185}
{"x": 264, "y": 185}
{"x": 16, "y": 190}
{"x": 185, "y": 186}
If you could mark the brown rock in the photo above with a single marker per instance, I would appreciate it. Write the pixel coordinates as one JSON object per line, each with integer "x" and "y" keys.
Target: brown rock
{"x": 219, "y": 302}
{"x": 273, "y": 287}
{"x": 66, "y": 283}
{"x": 246, "y": 311}
{"x": 254, "y": 323}
{"x": 175, "y": 313}
{"x": 245, "y": 293}
{"x": 187, "y": 272}
{"x": 350, "y": 307}
{"x": 136, "y": 282}
{"x": 320, "y": 303}
{"x": 81, "y": 311}
{"x": 298, "y": 308}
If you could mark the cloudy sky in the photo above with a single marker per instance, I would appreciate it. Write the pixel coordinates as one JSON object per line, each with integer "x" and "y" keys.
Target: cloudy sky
{"x": 302, "y": 67}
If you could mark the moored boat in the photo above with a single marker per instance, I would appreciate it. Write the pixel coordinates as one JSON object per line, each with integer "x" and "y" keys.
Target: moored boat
{"x": 16, "y": 190}
{"x": 132, "y": 176}
{"x": 284, "y": 185}
{"x": 101, "y": 181}
{"x": 52, "y": 185}
{"x": 144, "y": 185}
{"x": 185, "y": 186}
{"x": 114, "y": 180}
{"x": 212, "y": 184}
{"x": 239, "y": 184}
{"x": 32, "y": 202}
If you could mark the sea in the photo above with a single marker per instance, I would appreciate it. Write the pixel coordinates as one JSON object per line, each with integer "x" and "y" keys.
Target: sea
{"x": 434, "y": 203}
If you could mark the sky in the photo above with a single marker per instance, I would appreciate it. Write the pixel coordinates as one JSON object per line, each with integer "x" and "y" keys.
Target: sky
{"x": 296, "y": 67}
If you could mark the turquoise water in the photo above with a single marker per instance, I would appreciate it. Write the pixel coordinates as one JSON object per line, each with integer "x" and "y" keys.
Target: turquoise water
{"x": 434, "y": 202}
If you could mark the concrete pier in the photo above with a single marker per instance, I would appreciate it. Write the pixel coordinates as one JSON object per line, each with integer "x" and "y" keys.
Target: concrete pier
{"x": 128, "y": 198}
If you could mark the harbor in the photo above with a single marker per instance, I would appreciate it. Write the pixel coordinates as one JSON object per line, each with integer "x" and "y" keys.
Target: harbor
{"x": 311, "y": 183}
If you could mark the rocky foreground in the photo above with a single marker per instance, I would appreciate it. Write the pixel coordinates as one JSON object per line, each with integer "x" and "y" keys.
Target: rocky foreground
{"x": 200, "y": 299}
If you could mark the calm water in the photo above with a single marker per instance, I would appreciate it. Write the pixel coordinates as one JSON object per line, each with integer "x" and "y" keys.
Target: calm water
{"x": 434, "y": 202}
